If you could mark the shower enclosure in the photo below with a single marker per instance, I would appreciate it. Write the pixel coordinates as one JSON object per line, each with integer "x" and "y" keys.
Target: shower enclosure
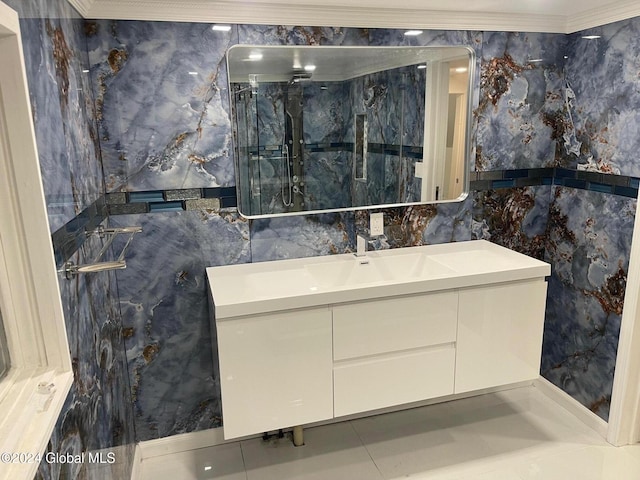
{"x": 366, "y": 126}
{"x": 270, "y": 143}
{"x": 306, "y": 145}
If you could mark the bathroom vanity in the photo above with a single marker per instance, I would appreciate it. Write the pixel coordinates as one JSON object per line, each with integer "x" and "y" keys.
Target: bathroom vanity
{"x": 311, "y": 339}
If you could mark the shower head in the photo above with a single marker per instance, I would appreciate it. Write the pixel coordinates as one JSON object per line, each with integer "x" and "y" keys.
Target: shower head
{"x": 298, "y": 77}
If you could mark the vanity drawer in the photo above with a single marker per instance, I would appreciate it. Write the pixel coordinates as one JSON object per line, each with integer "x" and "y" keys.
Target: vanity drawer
{"x": 383, "y": 326}
{"x": 360, "y": 386}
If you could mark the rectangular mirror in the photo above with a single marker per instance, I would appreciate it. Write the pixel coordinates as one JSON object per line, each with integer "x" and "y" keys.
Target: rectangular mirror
{"x": 321, "y": 129}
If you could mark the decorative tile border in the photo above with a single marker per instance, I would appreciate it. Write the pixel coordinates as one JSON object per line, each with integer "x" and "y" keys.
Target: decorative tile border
{"x": 126, "y": 203}
{"x": 68, "y": 239}
{"x": 621, "y": 185}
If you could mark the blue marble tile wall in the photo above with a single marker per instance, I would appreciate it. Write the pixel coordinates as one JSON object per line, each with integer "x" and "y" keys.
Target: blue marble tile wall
{"x": 521, "y": 88}
{"x": 163, "y": 298}
{"x": 97, "y": 413}
{"x": 62, "y": 103}
{"x": 587, "y": 122}
{"x": 161, "y": 129}
{"x": 588, "y": 245}
{"x": 328, "y": 132}
{"x": 590, "y": 233}
{"x": 173, "y": 130}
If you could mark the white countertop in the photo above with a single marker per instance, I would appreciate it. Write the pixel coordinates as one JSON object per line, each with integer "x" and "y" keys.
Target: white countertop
{"x": 255, "y": 288}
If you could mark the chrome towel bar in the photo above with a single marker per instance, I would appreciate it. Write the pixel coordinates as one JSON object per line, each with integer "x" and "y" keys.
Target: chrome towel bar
{"x": 70, "y": 270}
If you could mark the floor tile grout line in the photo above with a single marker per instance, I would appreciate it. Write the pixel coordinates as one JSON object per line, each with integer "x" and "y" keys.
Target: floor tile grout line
{"x": 244, "y": 463}
{"x": 366, "y": 449}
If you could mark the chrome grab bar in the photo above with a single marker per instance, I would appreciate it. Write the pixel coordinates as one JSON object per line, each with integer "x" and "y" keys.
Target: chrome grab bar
{"x": 70, "y": 270}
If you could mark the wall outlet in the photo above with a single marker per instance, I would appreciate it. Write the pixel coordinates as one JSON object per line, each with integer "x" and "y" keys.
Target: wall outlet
{"x": 376, "y": 224}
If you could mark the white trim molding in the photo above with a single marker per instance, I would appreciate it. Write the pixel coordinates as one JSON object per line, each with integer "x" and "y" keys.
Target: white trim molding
{"x": 33, "y": 393}
{"x": 183, "y": 442}
{"x": 319, "y": 15}
{"x": 136, "y": 471}
{"x": 602, "y": 15}
{"x": 82, "y": 6}
{"x": 570, "y": 404}
{"x": 625, "y": 398}
{"x": 358, "y": 15}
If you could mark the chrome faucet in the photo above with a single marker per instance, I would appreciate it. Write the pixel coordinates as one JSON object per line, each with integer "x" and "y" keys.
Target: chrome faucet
{"x": 361, "y": 246}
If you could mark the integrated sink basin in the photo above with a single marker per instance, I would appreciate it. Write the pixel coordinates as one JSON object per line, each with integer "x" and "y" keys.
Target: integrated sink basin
{"x": 264, "y": 287}
{"x": 375, "y": 268}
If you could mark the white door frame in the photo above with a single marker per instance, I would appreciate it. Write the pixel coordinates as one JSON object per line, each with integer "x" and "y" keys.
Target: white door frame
{"x": 32, "y": 394}
{"x": 624, "y": 428}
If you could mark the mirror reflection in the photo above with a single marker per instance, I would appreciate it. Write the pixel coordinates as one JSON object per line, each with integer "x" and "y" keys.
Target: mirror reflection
{"x": 336, "y": 128}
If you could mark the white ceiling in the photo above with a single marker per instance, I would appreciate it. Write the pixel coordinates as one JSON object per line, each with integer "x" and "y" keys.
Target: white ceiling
{"x": 556, "y": 16}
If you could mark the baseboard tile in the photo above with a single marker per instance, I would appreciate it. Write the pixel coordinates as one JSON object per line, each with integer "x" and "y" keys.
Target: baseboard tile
{"x": 215, "y": 436}
{"x": 574, "y": 407}
{"x": 185, "y": 442}
{"x": 136, "y": 471}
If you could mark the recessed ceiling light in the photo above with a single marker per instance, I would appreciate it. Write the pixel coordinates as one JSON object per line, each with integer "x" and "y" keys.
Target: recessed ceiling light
{"x": 590, "y": 37}
{"x": 413, "y": 33}
{"x": 193, "y": 73}
{"x": 221, "y": 28}
{"x": 85, "y": 71}
{"x": 207, "y": 468}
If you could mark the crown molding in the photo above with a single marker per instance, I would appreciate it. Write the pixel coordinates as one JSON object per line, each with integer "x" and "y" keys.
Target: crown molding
{"x": 82, "y": 6}
{"x": 597, "y": 17}
{"x": 278, "y": 13}
{"x": 316, "y": 15}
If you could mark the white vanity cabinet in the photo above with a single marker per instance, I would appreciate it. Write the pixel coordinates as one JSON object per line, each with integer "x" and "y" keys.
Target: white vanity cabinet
{"x": 394, "y": 351}
{"x": 275, "y": 370}
{"x": 499, "y": 334}
{"x": 306, "y": 340}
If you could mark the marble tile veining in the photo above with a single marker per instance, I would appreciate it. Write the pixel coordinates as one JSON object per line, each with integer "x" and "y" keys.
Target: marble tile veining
{"x": 515, "y": 218}
{"x": 521, "y": 88}
{"x": 162, "y": 104}
{"x": 62, "y": 103}
{"x": 97, "y": 414}
{"x": 602, "y": 87}
{"x": 589, "y": 241}
{"x": 162, "y": 113}
{"x": 163, "y": 297}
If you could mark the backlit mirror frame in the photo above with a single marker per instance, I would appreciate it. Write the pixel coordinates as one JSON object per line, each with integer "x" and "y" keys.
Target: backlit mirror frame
{"x": 253, "y": 65}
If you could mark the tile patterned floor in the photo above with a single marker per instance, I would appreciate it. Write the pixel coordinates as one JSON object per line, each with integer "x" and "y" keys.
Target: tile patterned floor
{"x": 515, "y": 435}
